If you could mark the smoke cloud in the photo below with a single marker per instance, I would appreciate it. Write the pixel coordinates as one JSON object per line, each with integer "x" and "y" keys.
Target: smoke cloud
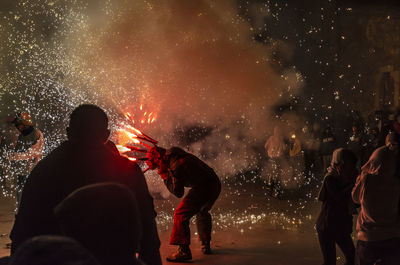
{"x": 193, "y": 63}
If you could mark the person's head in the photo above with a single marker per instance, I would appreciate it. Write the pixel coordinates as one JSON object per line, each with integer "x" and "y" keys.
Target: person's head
{"x": 382, "y": 162}
{"x": 22, "y": 121}
{"x": 345, "y": 162}
{"x": 88, "y": 123}
{"x": 154, "y": 156}
{"x": 392, "y": 142}
{"x": 52, "y": 250}
{"x": 104, "y": 218}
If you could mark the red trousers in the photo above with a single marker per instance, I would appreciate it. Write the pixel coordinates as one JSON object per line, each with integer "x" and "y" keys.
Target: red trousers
{"x": 197, "y": 202}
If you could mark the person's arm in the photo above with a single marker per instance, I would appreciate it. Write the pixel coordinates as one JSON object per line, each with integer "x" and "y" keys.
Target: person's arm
{"x": 35, "y": 152}
{"x": 175, "y": 186}
{"x": 356, "y": 192}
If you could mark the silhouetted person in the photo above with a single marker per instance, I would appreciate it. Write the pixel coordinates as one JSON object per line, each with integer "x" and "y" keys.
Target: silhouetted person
{"x": 82, "y": 160}
{"x": 112, "y": 232}
{"x": 276, "y": 149}
{"x": 180, "y": 169}
{"x": 52, "y": 250}
{"x": 378, "y": 191}
{"x": 335, "y": 221}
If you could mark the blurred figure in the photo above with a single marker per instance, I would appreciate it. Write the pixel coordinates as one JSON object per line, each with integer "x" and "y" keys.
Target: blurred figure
{"x": 294, "y": 145}
{"x": 276, "y": 149}
{"x": 371, "y": 143}
{"x": 82, "y": 160}
{"x": 378, "y": 191}
{"x": 335, "y": 221}
{"x": 328, "y": 145}
{"x": 355, "y": 143}
{"x": 28, "y": 150}
{"x": 296, "y": 160}
{"x": 311, "y": 143}
{"x": 52, "y": 250}
{"x": 105, "y": 219}
{"x": 396, "y": 124}
{"x": 180, "y": 169}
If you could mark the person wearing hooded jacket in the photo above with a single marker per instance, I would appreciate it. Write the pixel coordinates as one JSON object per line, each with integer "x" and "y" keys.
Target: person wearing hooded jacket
{"x": 180, "y": 169}
{"x": 377, "y": 189}
{"x": 335, "y": 221}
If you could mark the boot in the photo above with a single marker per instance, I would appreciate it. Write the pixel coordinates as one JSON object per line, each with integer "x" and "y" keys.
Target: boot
{"x": 183, "y": 254}
{"x": 205, "y": 248}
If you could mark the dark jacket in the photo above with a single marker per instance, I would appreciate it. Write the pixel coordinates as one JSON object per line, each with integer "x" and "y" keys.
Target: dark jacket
{"x": 181, "y": 169}
{"x": 71, "y": 166}
{"x": 337, "y": 207}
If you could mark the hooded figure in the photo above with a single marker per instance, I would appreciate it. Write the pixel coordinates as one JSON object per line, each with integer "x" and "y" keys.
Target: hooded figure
{"x": 116, "y": 223}
{"x": 335, "y": 221}
{"x": 180, "y": 169}
{"x": 378, "y": 191}
{"x": 276, "y": 149}
{"x": 275, "y": 144}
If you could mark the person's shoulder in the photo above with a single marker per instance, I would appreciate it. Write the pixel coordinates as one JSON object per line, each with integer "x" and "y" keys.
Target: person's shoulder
{"x": 127, "y": 164}
{"x": 175, "y": 151}
{"x": 331, "y": 178}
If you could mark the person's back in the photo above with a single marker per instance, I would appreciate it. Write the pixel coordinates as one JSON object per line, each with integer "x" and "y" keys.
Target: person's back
{"x": 80, "y": 161}
{"x": 378, "y": 191}
{"x": 189, "y": 169}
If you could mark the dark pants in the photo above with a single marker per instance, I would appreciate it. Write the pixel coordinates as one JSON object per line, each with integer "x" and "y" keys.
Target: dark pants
{"x": 327, "y": 241}
{"x": 385, "y": 252}
{"x": 197, "y": 202}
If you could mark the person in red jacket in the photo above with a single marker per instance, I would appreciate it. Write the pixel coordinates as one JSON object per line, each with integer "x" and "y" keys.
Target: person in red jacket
{"x": 180, "y": 169}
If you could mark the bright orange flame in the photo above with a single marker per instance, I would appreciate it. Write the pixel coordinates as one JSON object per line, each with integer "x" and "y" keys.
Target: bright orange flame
{"x": 130, "y": 158}
{"x": 128, "y": 135}
{"x": 134, "y": 129}
{"x": 122, "y": 149}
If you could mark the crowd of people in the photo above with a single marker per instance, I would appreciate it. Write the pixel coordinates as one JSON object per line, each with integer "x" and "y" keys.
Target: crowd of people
{"x": 361, "y": 178}
{"x": 95, "y": 204}
{"x": 376, "y": 192}
{"x": 84, "y": 203}
{"x": 307, "y": 152}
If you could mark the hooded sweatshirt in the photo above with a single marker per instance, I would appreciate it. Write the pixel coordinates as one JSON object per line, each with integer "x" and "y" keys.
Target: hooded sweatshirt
{"x": 377, "y": 189}
{"x": 335, "y": 195}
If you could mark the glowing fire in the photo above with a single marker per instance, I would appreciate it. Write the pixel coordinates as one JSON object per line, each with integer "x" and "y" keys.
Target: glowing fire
{"x": 127, "y": 136}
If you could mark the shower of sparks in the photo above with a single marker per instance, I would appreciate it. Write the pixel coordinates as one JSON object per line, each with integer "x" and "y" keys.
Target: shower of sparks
{"x": 48, "y": 66}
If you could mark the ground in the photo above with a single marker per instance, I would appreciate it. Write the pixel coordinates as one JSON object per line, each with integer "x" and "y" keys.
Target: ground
{"x": 250, "y": 228}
